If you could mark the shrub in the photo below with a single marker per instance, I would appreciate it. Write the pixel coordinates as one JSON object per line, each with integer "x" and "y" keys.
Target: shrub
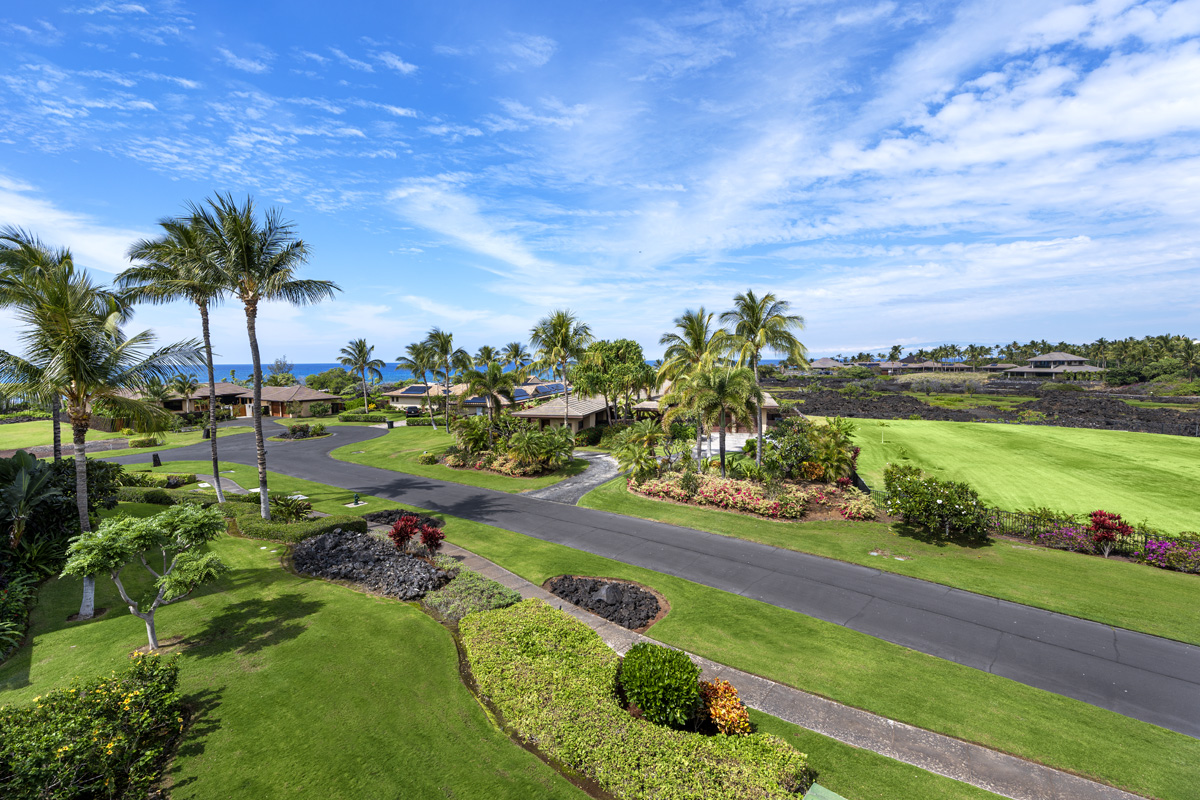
{"x": 731, "y": 495}
{"x": 404, "y": 530}
{"x": 126, "y": 432}
{"x": 552, "y": 678}
{"x": 1067, "y": 537}
{"x": 469, "y": 592}
{"x": 427, "y": 458}
{"x": 944, "y": 508}
{"x": 1105, "y": 527}
{"x": 18, "y": 591}
{"x": 300, "y": 430}
{"x": 318, "y": 429}
{"x": 417, "y": 422}
{"x": 320, "y": 409}
{"x": 858, "y": 507}
{"x": 662, "y": 682}
{"x": 244, "y": 520}
{"x": 107, "y": 737}
{"x": 432, "y": 538}
{"x": 158, "y": 497}
{"x": 724, "y": 708}
{"x": 588, "y": 437}
{"x": 158, "y": 479}
{"x": 144, "y": 441}
{"x": 290, "y": 509}
{"x": 362, "y": 417}
{"x": 1181, "y": 555}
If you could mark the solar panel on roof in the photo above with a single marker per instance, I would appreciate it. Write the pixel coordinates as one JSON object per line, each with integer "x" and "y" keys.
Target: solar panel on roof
{"x": 414, "y": 389}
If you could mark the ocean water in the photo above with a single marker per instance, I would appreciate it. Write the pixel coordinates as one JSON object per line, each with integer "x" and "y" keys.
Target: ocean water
{"x": 301, "y": 371}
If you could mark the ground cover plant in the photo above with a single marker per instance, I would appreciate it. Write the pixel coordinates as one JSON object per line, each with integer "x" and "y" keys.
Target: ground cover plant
{"x": 884, "y": 678}
{"x": 1144, "y": 477}
{"x": 400, "y": 450}
{"x": 468, "y": 592}
{"x": 1091, "y": 588}
{"x": 552, "y": 678}
{"x": 23, "y": 435}
{"x": 247, "y": 642}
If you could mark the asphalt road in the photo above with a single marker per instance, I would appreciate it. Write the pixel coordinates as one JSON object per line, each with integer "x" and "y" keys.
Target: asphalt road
{"x": 1145, "y": 677}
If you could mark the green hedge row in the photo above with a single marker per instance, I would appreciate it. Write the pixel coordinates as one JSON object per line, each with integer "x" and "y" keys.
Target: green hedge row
{"x": 156, "y": 479}
{"x": 553, "y": 679}
{"x": 418, "y": 422}
{"x": 362, "y": 417}
{"x": 244, "y": 520}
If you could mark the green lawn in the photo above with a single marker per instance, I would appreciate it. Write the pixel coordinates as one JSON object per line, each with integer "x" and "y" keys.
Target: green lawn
{"x": 18, "y": 435}
{"x": 884, "y": 678}
{"x": 399, "y": 449}
{"x": 1142, "y": 476}
{"x": 333, "y": 421}
{"x": 304, "y": 689}
{"x": 1070, "y": 583}
{"x": 1157, "y": 404}
{"x": 171, "y": 441}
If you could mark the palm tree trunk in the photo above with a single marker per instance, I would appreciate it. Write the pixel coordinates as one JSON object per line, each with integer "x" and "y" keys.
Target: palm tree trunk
{"x": 79, "y": 428}
{"x": 722, "y": 440}
{"x": 212, "y": 401}
{"x": 259, "y": 445}
{"x": 429, "y": 404}
{"x": 566, "y": 394}
{"x": 55, "y": 410}
{"x": 759, "y": 420}
{"x": 364, "y": 381}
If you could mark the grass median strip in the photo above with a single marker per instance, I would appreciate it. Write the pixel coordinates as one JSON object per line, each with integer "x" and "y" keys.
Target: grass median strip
{"x": 1056, "y": 580}
{"x": 170, "y": 441}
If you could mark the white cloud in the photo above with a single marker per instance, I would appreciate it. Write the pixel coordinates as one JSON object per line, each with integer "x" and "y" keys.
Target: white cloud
{"x": 523, "y": 50}
{"x": 353, "y": 63}
{"x": 256, "y": 66}
{"x": 393, "y": 61}
{"x": 110, "y": 8}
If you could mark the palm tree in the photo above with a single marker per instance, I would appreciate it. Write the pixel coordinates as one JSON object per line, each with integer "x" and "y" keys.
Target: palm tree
{"x": 486, "y": 355}
{"x": 696, "y": 346}
{"x": 258, "y": 262}
{"x": 356, "y": 357}
{"x": 184, "y": 385}
{"x": 155, "y": 391}
{"x": 764, "y": 323}
{"x": 419, "y": 360}
{"x": 494, "y": 385}
{"x": 447, "y": 359}
{"x": 720, "y": 394}
{"x": 179, "y": 266}
{"x": 559, "y": 339}
{"x": 74, "y": 346}
{"x": 516, "y": 356}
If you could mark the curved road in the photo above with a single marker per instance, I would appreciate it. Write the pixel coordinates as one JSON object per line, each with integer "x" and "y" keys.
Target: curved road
{"x": 1152, "y": 679}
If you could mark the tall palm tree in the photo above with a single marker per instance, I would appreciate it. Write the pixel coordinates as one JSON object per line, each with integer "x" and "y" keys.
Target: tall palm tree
{"x": 447, "y": 359}
{"x": 763, "y": 323}
{"x": 697, "y": 345}
{"x": 23, "y": 258}
{"x": 356, "y": 357}
{"x": 179, "y": 266}
{"x": 560, "y": 338}
{"x": 516, "y": 356}
{"x": 419, "y": 359}
{"x": 719, "y": 394}
{"x": 258, "y": 261}
{"x": 185, "y": 386}
{"x": 73, "y": 344}
{"x": 486, "y": 355}
{"x": 157, "y": 392}
{"x": 493, "y": 384}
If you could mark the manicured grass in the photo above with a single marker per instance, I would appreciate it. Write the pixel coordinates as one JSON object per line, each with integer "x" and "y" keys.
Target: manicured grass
{"x": 957, "y": 400}
{"x": 399, "y": 449}
{"x": 1070, "y": 583}
{"x": 1142, "y": 476}
{"x": 333, "y": 421}
{"x": 18, "y": 435}
{"x": 1156, "y": 404}
{"x": 887, "y": 679}
{"x": 303, "y": 688}
{"x": 171, "y": 441}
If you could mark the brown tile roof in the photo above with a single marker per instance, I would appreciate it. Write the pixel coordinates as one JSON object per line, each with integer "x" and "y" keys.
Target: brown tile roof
{"x": 298, "y": 394}
{"x": 579, "y": 407}
{"x": 1057, "y": 356}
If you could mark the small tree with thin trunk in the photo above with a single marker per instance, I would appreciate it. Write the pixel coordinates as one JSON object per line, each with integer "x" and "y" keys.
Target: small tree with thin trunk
{"x": 356, "y": 357}
{"x": 178, "y": 534}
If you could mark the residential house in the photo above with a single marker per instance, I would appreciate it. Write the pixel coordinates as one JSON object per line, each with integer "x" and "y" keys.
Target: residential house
{"x": 1054, "y": 366}
{"x": 579, "y": 412}
{"x": 277, "y": 400}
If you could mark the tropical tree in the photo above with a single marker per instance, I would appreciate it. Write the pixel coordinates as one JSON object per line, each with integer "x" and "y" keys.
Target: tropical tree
{"x": 516, "y": 356}
{"x": 720, "y": 395}
{"x": 419, "y": 359}
{"x": 184, "y": 385}
{"x": 258, "y": 261}
{"x": 486, "y": 355}
{"x": 560, "y": 339}
{"x": 695, "y": 345}
{"x": 763, "y": 323}
{"x": 179, "y": 266}
{"x": 895, "y": 353}
{"x": 447, "y": 360}
{"x": 157, "y": 392}
{"x": 73, "y": 345}
{"x": 356, "y": 357}
{"x": 493, "y": 384}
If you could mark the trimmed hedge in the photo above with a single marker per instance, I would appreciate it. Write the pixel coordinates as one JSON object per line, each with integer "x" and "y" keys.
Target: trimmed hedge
{"x": 156, "y": 479}
{"x": 362, "y": 417}
{"x": 244, "y": 520}
{"x": 553, "y": 679}
{"x": 664, "y": 683}
{"x": 419, "y": 422}
{"x": 145, "y": 441}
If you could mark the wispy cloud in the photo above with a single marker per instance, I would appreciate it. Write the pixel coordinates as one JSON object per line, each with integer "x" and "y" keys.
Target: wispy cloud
{"x": 525, "y": 50}
{"x": 353, "y": 63}
{"x": 254, "y": 65}
{"x": 110, "y": 8}
{"x": 393, "y": 61}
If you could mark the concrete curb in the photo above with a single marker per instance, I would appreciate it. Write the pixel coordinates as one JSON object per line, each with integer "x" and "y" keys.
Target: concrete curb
{"x": 996, "y": 772}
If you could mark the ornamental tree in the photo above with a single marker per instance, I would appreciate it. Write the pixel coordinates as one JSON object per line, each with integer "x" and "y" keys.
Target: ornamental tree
{"x": 179, "y": 534}
{"x": 1105, "y": 527}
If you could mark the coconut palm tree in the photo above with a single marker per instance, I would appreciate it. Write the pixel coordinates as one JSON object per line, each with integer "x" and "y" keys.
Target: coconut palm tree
{"x": 258, "y": 261}
{"x": 494, "y": 385}
{"x": 179, "y": 265}
{"x": 560, "y": 338}
{"x": 447, "y": 360}
{"x": 486, "y": 355}
{"x": 356, "y": 357}
{"x": 763, "y": 323}
{"x": 696, "y": 346}
{"x": 516, "y": 356}
{"x": 719, "y": 394}
{"x": 157, "y": 392}
{"x": 419, "y": 360}
{"x": 73, "y": 345}
{"x": 184, "y": 385}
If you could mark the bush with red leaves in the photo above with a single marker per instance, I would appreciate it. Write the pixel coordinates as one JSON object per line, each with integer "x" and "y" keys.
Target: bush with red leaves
{"x": 1105, "y": 528}
{"x": 403, "y": 530}
{"x": 432, "y": 537}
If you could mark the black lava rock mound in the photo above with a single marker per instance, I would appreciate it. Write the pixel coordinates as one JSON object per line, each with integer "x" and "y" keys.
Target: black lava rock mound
{"x": 627, "y": 605}
{"x": 369, "y": 562}
{"x": 390, "y": 516}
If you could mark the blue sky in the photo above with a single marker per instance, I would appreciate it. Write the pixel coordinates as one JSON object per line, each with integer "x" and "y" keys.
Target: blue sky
{"x": 902, "y": 172}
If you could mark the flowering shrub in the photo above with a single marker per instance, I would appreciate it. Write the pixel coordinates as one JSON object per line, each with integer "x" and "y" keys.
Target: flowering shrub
{"x": 944, "y": 508}
{"x": 1066, "y": 537}
{"x": 726, "y": 494}
{"x": 725, "y": 708}
{"x": 858, "y": 507}
{"x": 108, "y": 737}
{"x": 1180, "y": 555}
{"x": 1105, "y": 528}
{"x": 812, "y": 470}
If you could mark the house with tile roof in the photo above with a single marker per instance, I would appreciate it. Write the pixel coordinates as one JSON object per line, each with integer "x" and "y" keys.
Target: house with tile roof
{"x": 1056, "y": 365}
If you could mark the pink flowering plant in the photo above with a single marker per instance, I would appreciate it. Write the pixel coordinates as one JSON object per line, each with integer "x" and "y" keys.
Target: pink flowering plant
{"x": 730, "y": 495}
{"x": 1067, "y": 537}
{"x": 1180, "y": 555}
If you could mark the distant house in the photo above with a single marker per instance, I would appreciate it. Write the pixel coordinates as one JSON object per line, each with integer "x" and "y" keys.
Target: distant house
{"x": 1054, "y": 366}
{"x": 580, "y": 412}
{"x": 230, "y": 397}
{"x": 997, "y": 367}
{"x": 826, "y": 363}
{"x": 892, "y": 367}
{"x": 772, "y": 412}
{"x": 276, "y": 400}
{"x": 523, "y": 395}
{"x": 418, "y": 395}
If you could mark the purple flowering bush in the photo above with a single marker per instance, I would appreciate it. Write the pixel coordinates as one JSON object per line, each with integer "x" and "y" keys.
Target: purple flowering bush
{"x": 1067, "y": 538}
{"x": 1180, "y": 555}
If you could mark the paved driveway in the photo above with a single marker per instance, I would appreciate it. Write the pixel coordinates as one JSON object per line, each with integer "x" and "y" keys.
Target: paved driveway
{"x": 1145, "y": 677}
